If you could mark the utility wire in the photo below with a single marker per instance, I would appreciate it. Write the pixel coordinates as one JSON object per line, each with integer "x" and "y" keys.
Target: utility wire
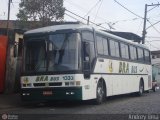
{"x": 75, "y": 5}
{"x": 105, "y": 21}
{"x": 127, "y": 20}
{"x": 115, "y": 22}
{"x": 98, "y": 10}
{"x": 73, "y": 17}
{"x": 81, "y": 17}
{"x": 152, "y": 37}
{"x": 152, "y": 8}
{"x": 139, "y": 26}
{"x": 152, "y": 45}
{"x": 111, "y": 24}
{"x": 128, "y": 9}
{"x": 153, "y": 27}
{"x": 153, "y": 41}
{"x": 80, "y": 8}
{"x": 85, "y": 19}
{"x": 93, "y": 7}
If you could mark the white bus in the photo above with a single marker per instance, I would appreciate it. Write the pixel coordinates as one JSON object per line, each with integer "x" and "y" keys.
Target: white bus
{"x": 79, "y": 62}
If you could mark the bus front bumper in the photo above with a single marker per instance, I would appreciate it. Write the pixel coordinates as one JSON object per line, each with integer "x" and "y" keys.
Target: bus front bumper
{"x": 47, "y": 94}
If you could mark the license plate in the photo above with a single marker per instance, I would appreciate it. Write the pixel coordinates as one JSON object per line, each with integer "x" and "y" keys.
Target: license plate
{"x": 47, "y": 93}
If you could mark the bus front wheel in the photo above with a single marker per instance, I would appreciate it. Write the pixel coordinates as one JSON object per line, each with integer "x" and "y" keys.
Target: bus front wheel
{"x": 100, "y": 93}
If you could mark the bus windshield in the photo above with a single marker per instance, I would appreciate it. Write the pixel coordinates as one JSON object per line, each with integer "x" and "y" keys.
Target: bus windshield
{"x": 58, "y": 53}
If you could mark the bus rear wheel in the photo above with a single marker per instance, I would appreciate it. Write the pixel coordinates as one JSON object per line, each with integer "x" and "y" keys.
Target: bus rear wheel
{"x": 141, "y": 89}
{"x": 100, "y": 93}
{"x": 154, "y": 88}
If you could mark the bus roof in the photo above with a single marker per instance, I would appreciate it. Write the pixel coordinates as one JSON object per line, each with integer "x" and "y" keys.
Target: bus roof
{"x": 79, "y": 27}
{"x": 58, "y": 27}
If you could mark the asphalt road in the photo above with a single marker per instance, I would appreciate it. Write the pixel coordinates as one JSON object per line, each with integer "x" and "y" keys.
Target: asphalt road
{"x": 148, "y": 104}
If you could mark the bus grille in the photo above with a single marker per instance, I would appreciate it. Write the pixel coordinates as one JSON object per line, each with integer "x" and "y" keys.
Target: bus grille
{"x": 47, "y": 84}
{"x": 39, "y": 84}
{"x": 55, "y": 84}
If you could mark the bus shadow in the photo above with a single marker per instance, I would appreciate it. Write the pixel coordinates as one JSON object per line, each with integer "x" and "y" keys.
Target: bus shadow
{"x": 73, "y": 104}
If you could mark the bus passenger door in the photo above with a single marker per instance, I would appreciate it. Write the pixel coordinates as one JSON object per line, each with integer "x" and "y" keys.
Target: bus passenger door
{"x": 88, "y": 53}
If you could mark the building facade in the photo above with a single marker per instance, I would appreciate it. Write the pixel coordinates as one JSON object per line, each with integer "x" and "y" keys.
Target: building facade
{"x": 12, "y": 66}
{"x": 156, "y": 65}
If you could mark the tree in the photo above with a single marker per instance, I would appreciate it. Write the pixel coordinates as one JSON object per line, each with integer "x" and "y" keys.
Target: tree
{"x": 41, "y": 10}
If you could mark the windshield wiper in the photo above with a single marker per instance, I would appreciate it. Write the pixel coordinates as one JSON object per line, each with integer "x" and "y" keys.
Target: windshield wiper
{"x": 62, "y": 50}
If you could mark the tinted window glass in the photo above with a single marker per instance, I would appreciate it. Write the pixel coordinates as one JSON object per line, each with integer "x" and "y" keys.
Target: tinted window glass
{"x": 140, "y": 54}
{"x": 35, "y": 56}
{"x": 87, "y": 36}
{"x": 102, "y": 45}
{"x": 124, "y": 51}
{"x": 147, "y": 55}
{"x": 114, "y": 48}
{"x": 105, "y": 46}
{"x": 92, "y": 54}
{"x": 63, "y": 52}
{"x": 99, "y": 45}
{"x": 133, "y": 53}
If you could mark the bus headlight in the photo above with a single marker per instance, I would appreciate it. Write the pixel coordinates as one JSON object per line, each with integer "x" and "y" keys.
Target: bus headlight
{"x": 66, "y": 83}
{"x": 27, "y": 85}
{"x": 78, "y": 83}
{"x": 73, "y": 83}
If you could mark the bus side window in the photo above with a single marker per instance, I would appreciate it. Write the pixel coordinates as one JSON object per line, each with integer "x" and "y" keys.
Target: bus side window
{"x": 105, "y": 46}
{"x": 102, "y": 45}
{"x": 140, "y": 54}
{"x": 114, "y": 48}
{"x": 99, "y": 45}
{"x": 147, "y": 56}
{"x": 124, "y": 51}
{"x": 133, "y": 53}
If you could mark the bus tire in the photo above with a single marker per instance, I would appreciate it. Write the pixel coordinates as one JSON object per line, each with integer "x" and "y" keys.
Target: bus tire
{"x": 100, "y": 93}
{"x": 154, "y": 89}
{"x": 141, "y": 88}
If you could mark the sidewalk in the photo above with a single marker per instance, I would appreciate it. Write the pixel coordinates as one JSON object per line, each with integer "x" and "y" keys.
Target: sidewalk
{"x": 9, "y": 101}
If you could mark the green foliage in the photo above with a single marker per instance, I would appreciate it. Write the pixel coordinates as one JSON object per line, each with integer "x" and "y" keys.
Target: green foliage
{"x": 41, "y": 10}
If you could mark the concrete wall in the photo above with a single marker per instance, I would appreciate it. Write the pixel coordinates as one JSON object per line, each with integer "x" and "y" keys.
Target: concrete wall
{"x": 18, "y": 60}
